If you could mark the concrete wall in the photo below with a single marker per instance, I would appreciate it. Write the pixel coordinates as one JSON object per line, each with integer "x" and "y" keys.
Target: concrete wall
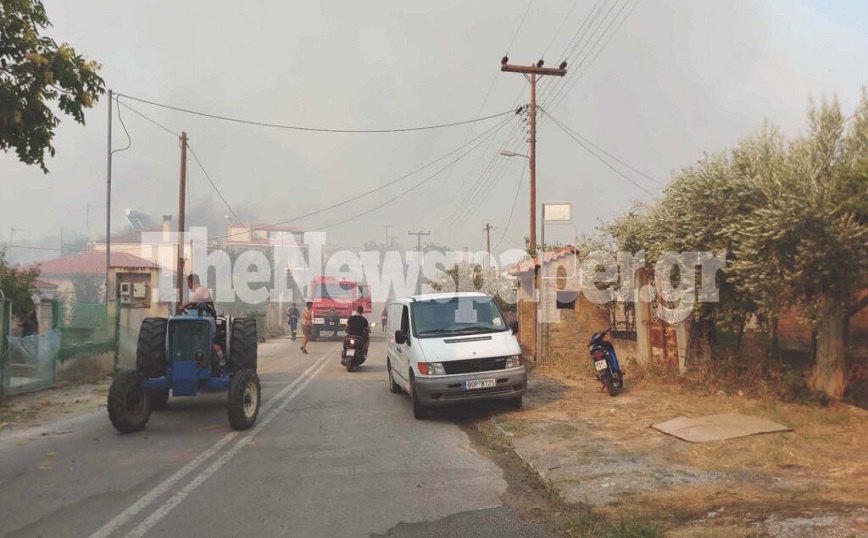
{"x": 563, "y": 331}
{"x": 130, "y": 318}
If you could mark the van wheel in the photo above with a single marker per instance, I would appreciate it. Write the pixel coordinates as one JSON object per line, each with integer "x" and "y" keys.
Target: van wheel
{"x": 419, "y": 410}
{"x": 393, "y": 387}
{"x": 515, "y": 403}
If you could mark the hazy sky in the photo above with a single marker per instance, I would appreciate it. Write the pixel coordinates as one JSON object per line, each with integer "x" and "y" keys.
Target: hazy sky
{"x": 679, "y": 78}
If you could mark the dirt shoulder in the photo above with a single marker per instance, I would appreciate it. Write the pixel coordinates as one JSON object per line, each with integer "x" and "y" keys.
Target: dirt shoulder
{"x": 55, "y": 404}
{"x": 600, "y": 453}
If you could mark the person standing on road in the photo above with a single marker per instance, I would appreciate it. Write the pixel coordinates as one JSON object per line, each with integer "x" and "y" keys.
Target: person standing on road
{"x": 306, "y": 325}
{"x": 384, "y": 316}
{"x": 292, "y": 318}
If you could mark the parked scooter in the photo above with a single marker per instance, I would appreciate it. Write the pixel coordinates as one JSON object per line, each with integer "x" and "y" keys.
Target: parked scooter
{"x": 603, "y": 356}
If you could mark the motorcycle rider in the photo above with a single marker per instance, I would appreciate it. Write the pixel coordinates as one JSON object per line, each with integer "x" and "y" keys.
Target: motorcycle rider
{"x": 292, "y": 318}
{"x": 358, "y": 326}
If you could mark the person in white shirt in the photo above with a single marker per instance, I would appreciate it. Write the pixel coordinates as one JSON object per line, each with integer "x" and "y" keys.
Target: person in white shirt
{"x": 198, "y": 293}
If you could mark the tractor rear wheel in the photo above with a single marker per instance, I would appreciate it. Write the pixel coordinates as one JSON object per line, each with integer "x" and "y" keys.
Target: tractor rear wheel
{"x": 151, "y": 348}
{"x": 244, "y": 399}
{"x": 253, "y": 344}
{"x": 242, "y": 345}
{"x": 129, "y": 405}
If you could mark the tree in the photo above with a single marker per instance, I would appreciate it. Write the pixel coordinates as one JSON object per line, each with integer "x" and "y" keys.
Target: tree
{"x": 793, "y": 219}
{"x": 17, "y": 285}
{"x": 35, "y": 72}
{"x": 539, "y": 248}
{"x": 472, "y": 277}
{"x": 88, "y": 289}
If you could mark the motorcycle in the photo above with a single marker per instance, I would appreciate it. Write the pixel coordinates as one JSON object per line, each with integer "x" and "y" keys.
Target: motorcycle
{"x": 605, "y": 361}
{"x": 354, "y": 352}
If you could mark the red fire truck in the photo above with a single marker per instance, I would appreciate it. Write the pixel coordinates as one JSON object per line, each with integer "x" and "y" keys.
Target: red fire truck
{"x": 334, "y": 301}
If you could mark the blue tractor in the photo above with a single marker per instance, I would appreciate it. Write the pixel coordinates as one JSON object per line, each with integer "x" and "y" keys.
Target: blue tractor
{"x": 195, "y": 351}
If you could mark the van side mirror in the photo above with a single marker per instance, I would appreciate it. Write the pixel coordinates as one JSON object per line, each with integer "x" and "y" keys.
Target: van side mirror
{"x": 513, "y": 326}
{"x": 400, "y": 337}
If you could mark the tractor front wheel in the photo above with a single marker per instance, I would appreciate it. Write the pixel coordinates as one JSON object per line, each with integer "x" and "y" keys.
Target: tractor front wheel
{"x": 245, "y": 395}
{"x": 129, "y": 405}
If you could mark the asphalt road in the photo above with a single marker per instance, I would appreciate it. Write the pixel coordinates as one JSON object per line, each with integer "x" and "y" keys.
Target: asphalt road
{"x": 332, "y": 454}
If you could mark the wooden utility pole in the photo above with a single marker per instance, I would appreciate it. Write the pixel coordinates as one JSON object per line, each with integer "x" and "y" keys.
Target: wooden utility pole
{"x": 386, "y": 244}
{"x": 108, "y": 201}
{"x": 182, "y": 196}
{"x": 532, "y": 73}
{"x": 488, "y": 246}
{"x": 419, "y": 256}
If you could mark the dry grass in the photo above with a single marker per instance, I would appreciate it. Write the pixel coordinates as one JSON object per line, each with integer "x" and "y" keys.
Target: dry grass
{"x": 821, "y": 465}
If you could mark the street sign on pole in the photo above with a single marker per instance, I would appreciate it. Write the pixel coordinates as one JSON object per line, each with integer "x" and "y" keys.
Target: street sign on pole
{"x": 557, "y": 212}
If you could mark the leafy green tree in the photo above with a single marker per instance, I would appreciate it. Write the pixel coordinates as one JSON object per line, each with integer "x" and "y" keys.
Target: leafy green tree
{"x": 36, "y": 72}
{"x": 17, "y": 285}
{"x": 793, "y": 219}
{"x": 811, "y": 238}
{"x": 539, "y": 248}
{"x": 473, "y": 277}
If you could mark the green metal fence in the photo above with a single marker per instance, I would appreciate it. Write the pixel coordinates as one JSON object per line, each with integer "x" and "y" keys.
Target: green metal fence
{"x": 86, "y": 329}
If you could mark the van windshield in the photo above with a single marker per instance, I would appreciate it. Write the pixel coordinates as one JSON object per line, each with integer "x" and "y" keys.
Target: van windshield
{"x": 456, "y": 316}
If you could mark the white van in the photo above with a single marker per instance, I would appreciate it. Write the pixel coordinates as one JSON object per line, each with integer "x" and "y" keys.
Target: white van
{"x": 452, "y": 347}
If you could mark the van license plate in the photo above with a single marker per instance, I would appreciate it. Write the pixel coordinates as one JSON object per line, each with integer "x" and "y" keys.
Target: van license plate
{"x": 479, "y": 384}
{"x": 601, "y": 365}
{"x": 351, "y": 353}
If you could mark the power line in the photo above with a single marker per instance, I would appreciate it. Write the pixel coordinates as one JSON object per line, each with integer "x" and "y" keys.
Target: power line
{"x": 414, "y": 187}
{"x": 356, "y": 197}
{"x": 561, "y": 27}
{"x": 585, "y": 33}
{"x": 126, "y": 132}
{"x": 480, "y": 184}
{"x": 601, "y": 150}
{"x": 568, "y": 50}
{"x": 588, "y": 149}
{"x": 313, "y": 129}
{"x": 511, "y": 211}
{"x": 578, "y": 74}
{"x": 160, "y": 125}
{"x": 520, "y": 24}
{"x": 208, "y": 177}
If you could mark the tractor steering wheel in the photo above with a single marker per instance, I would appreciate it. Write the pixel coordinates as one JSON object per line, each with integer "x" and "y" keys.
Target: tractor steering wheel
{"x": 206, "y": 307}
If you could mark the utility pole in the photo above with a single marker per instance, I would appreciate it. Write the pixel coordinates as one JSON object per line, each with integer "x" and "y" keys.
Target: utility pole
{"x": 533, "y": 73}
{"x": 386, "y": 244}
{"x": 419, "y": 257}
{"x": 108, "y": 201}
{"x": 487, "y": 229}
{"x": 182, "y": 194}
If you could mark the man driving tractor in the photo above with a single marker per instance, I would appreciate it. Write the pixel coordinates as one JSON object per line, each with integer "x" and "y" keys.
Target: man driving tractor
{"x": 199, "y": 293}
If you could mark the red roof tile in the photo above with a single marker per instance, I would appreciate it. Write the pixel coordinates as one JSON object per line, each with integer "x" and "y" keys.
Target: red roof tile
{"x": 91, "y": 262}
{"x": 548, "y": 257}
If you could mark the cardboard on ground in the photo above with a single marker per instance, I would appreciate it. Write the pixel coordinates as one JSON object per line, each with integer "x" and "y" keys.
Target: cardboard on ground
{"x": 718, "y": 427}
